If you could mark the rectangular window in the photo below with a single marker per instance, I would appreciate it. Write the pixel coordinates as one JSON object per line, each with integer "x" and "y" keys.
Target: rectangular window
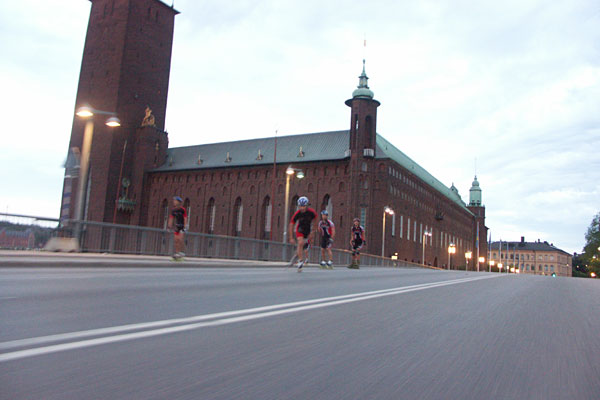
{"x": 363, "y": 217}
{"x": 401, "y": 225}
{"x": 415, "y": 232}
{"x": 421, "y": 235}
{"x": 408, "y": 230}
{"x": 393, "y": 225}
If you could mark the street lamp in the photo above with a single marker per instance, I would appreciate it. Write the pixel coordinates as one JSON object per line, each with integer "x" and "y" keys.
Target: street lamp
{"x": 481, "y": 261}
{"x": 468, "y": 256}
{"x": 84, "y": 164}
{"x": 289, "y": 172}
{"x": 451, "y": 250}
{"x": 492, "y": 263}
{"x": 500, "y": 267}
{"x": 426, "y": 234}
{"x": 386, "y": 210}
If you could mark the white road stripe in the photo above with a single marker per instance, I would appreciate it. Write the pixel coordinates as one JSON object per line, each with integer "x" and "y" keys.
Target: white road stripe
{"x": 155, "y": 324}
{"x": 225, "y": 318}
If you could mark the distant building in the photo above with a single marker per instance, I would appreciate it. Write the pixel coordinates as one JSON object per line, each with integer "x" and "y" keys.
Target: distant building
{"x": 237, "y": 188}
{"x": 10, "y": 239}
{"x": 537, "y": 258}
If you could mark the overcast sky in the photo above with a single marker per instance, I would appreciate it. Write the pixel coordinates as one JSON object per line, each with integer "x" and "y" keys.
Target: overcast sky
{"x": 514, "y": 84}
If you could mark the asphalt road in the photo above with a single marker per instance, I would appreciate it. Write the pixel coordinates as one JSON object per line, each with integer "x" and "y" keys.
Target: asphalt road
{"x": 271, "y": 333}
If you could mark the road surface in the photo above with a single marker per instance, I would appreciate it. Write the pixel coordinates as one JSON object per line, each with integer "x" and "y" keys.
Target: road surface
{"x": 271, "y": 333}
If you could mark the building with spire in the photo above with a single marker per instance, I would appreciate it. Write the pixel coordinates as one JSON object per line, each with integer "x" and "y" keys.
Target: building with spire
{"x": 238, "y": 188}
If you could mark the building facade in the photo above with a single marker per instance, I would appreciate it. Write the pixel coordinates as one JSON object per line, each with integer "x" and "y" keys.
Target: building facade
{"x": 536, "y": 258}
{"x": 238, "y": 188}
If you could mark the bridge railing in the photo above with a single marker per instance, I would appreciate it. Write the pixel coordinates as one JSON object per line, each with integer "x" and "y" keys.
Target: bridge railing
{"x": 100, "y": 237}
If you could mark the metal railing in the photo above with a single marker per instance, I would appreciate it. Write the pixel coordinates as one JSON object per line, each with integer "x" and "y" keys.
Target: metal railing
{"x": 99, "y": 237}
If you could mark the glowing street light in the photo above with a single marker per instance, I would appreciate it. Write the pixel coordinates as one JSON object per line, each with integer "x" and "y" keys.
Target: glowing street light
{"x": 426, "y": 234}
{"x": 451, "y": 250}
{"x": 468, "y": 256}
{"x": 500, "y": 267}
{"x": 386, "y": 210}
{"x": 289, "y": 172}
{"x": 84, "y": 164}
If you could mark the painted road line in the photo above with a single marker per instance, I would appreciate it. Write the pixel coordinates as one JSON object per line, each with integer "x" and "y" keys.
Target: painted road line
{"x": 157, "y": 324}
{"x": 20, "y": 354}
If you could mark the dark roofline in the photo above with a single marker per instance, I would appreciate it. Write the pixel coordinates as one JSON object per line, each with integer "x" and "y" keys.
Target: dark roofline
{"x": 259, "y": 138}
{"x": 530, "y": 246}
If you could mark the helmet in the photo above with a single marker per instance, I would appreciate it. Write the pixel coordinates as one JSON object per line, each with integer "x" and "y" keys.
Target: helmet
{"x": 356, "y": 219}
{"x": 303, "y": 201}
{"x": 177, "y": 198}
{"x": 324, "y": 212}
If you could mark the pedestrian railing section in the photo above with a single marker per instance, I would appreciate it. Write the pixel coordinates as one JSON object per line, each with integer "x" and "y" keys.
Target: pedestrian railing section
{"x": 99, "y": 237}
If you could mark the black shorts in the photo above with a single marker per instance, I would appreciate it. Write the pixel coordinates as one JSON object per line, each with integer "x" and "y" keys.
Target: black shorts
{"x": 356, "y": 246}
{"x": 326, "y": 243}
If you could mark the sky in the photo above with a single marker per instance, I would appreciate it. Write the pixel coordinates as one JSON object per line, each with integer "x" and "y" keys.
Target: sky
{"x": 507, "y": 90}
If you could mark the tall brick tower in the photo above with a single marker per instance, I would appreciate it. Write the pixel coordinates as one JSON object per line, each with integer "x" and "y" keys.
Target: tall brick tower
{"x": 125, "y": 69}
{"x": 362, "y": 146}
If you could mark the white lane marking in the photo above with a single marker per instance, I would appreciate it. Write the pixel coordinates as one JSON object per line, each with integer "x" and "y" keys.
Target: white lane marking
{"x": 155, "y": 324}
{"x": 230, "y": 320}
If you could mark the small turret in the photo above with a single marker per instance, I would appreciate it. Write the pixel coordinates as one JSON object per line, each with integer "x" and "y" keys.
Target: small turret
{"x": 475, "y": 194}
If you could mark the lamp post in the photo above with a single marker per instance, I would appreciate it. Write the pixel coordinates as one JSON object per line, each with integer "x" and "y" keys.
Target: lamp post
{"x": 426, "y": 234}
{"x": 499, "y": 268}
{"x": 386, "y": 210}
{"x": 84, "y": 164}
{"x": 289, "y": 172}
{"x": 481, "y": 261}
{"x": 492, "y": 263}
{"x": 451, "y": 250}
{"x": 468, "y": 256}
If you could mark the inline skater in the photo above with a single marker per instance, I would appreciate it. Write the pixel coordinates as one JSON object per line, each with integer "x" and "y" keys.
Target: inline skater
{"x": 303, "y": 220}
{"x": 327, "y": 229}
{"x": 357, "y": 241}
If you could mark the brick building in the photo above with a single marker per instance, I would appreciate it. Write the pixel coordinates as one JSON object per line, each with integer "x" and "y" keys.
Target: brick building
{"x": 236, "y": 188}
{"x": 536, "y": 258}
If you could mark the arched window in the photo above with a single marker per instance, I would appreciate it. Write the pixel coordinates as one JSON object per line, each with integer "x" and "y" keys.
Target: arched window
{"x": 211, "y": 213}
{"x": 224, "y": 190}
{"x": 165, "y": 211}
{"x": 188, "y": 210}
{"x": 267, "y": 211}
{"x": 293, "y": 207}
{"x": 310, "y": 187}
{"x": 252, "y": 189}
{"x": 238, "y": 216}
{"x": 327, "y": 205}
{"x": 342, "y": 187}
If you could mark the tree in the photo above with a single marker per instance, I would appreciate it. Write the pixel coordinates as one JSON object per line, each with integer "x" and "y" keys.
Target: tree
{"x": 591, "y": 251}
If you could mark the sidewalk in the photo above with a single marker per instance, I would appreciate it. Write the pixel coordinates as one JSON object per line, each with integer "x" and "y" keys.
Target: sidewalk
{"x": 40, "y": 259}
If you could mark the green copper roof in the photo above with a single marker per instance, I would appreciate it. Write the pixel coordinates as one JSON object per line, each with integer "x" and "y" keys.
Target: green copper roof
{"x": 290, "y": 150}
{"x": 294, "y": 149}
